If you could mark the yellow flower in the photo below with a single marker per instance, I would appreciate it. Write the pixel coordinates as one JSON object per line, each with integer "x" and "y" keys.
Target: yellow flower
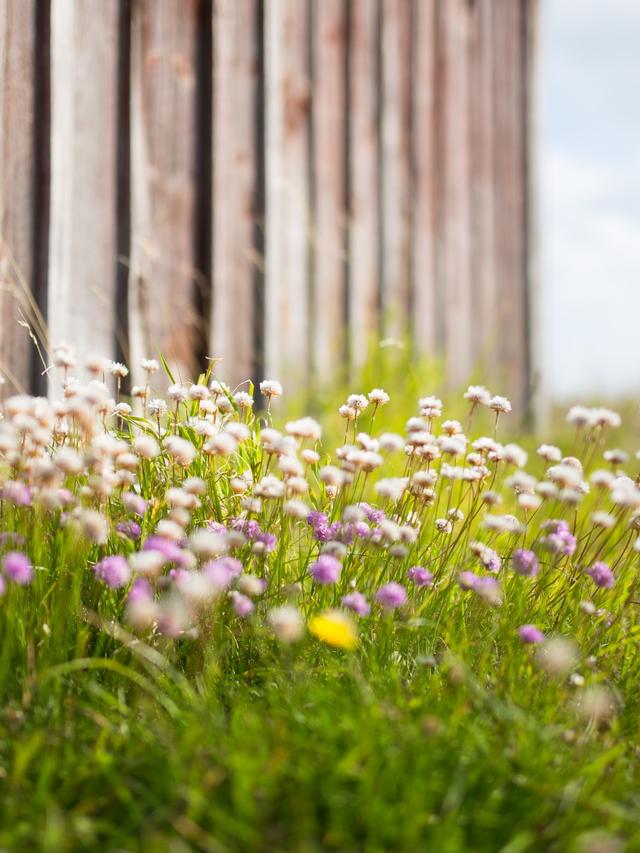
{"x": 335, "y": 629}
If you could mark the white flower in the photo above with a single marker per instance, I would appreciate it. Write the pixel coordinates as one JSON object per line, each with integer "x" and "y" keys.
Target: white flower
{"x": 243, "y": 400}
{"x": 286, "y": 623}
{"x": 477, "y": 395}
{"x": 270, "y": 388}
{"x": 378, "y": 397}
{"x": 149, "y": 365}
{"x": 304, "y": 428}
{"x": 549, "y": 452}
{"x": 118, "y": 369}
{"x": 177, "y": 393}
{"x": 500, "y": 405}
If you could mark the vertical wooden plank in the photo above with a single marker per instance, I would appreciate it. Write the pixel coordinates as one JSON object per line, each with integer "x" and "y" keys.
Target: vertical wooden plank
{"x": 454, "y": 195}
{"x": 396, "y": 165}
{"x": 328, "y": 28}
{"x": 163, "y": 277}
{"x": 234, "y": 186}
{"x": 536, "y": 403}
{"x": 82, "y": 236}
{"x": 287, "y": 190}
{"x": 510, "y": 201}
{"x": 423, "y": 273}
{"x": 482, "y": 148}
{"x": 364, "y": 152}
{"x": 17, "y": 73}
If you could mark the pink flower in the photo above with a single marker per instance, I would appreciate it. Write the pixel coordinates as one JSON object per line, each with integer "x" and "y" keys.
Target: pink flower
{"x": 18, "y": 567}
{"x": 391, "y": 595}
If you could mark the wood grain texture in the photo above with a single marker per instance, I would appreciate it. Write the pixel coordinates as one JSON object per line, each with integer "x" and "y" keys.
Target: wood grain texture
{"x": 454, "y": 209}
{"x": 328, "y": 306}
{"x": 82, "y": 243}
{"x": 484, "y": 294}
{"x": 423, "y": 184}
{"x": 287, "y": 111}
{"x": 396, "y": 165}
{"x": 364, "y": 157}
{"x": 510, "y": 208}
{"x": 234, "y": 187}
{"x": 163, "y": 276}
{"x": 17, "y": 70}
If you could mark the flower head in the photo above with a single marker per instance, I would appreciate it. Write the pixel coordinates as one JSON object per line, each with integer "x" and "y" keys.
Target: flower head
{"x": 391, "y": 595}
{"x": 335, "y": 628}
{"x": 17, "y": 567}
{"x": 326, "y": 569}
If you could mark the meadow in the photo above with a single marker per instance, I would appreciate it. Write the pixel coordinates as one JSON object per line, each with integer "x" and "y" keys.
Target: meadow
{"x": 395, "y": 625}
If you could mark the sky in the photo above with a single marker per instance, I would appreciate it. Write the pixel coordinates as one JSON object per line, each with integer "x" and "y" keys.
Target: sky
{"x": 589, "y": 202}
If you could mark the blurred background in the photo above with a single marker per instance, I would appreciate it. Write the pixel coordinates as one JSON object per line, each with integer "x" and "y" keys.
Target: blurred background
{"x": 287, "y": 183}
{"x": 590, "y": 196}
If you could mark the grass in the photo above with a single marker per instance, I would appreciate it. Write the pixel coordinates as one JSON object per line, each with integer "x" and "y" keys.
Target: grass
{"x": 151, "y": 712}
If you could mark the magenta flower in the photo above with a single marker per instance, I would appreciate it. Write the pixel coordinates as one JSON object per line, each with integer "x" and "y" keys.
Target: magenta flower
{"x": 242, "y": 605}
{"x": 171, "y": 552}
{"x": 391, "y": 595}
{"x": 16, "y": 493}
{"x": 18, "y": 567}
{"x": 601, "y": 575}
{"x": 530, "y": 634}
{"x": 130, "y": 529}
{"x": 525, "y": 563}
{"x": 356, "y": 602}
{"x": 140, "y": 591}
{"x": 114, "y": 571}
{"x": 467, "y": 580}
{"x": 326, "y": 569}
{"x": 222, "y": 571}
{"x": 420, "y": 576}
{"x": 560, "y": 540}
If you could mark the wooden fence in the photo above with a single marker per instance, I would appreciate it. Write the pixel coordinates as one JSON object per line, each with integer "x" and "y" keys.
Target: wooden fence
{"x": 270, "y": 181}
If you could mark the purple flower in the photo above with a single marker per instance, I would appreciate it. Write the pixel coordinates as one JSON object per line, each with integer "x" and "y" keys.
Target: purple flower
{"x": 560, "y": 540}
{"x": 130, "y": 529}
{"x": 491, "y": 560}
{"x": 222, "y": 571}
{"x": 134, "y": 503}
{"x": 216, "y": 527}
{"x": 18, "y": 567}
{"x": 467, "y": 580}
{"x": 319, "y": 522}
{"x": 530, "y": 634}
{"x": 249, "y": 527}
{"x": 140, "y": 591}
{"x": 357, "y": 602}
{"x": 601, "y": 575}
{"x": 171, "y": 552}
{"x": 242, "y": 605}
{"x": 114, "y": 571}
{"x": 374, "y": 515}
{"x": 326, "y": 569}
{"x": 420, "y": 576}
{"x": 391, "y": 595}
{"x": 525, "y": 563}
{"x": 268, "y": 540}
{"x": 16, "y": 493}
{"x": 3, "y": 585}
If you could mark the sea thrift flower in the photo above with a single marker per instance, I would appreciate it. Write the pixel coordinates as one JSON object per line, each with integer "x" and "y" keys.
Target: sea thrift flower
{"x": 601, "y": 575}
{"x": 356, "y": 602}
{"x": 221, "y": 572}
{"x": 270, "y": 388}
{"x": 477, "y": 395}
{"x": 391, "y": 595}
{"x": 286, "y": 623}
{"x": 420, "y": 576}
{"x": 560, "y": 540}
{"x": 525, "y": 563}
{"x": 530, "y": 634}
{"x": 326, "y": 569}
{"x": 378, "y": 397}
{"x": 130, "y": 529}
{"x": 335, "y": 628}
{"x": 18, "y": 567}
{"x": 114, "y": 571}
{"x": 557, "y": 656}
{"x": 242, "y": 606}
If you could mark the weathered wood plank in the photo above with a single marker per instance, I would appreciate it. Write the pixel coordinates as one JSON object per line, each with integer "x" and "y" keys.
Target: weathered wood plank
{"x": 234, "y": 186}
{"x": 364, "y": 154}
{"x": 484, "y": 295}
{"x": 17, "y": 73}
{"x": 287, "y": 108}
{"x": 163, "y": 276}
{"x": 396, "y": 165}
{"x": 423, "y": 273}
{"x": 454, "y": 245}
{"x": 328, "y": 308}
{"x": 82, "y": 236}
{"x": 510, "y": 200}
